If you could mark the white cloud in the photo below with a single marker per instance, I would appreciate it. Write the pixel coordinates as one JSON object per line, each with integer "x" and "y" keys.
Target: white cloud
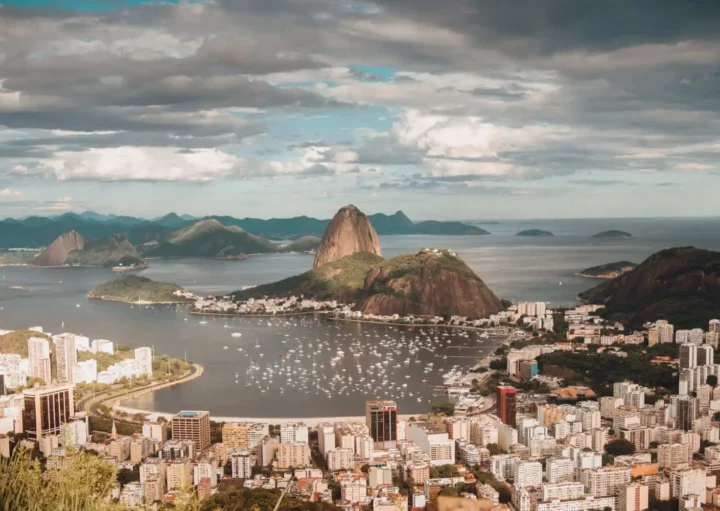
{"x": 59, "y": 205}
{"x": 692, "y": 167}
{"x": 137, "y": 164}
{"x": 9, "y": 193}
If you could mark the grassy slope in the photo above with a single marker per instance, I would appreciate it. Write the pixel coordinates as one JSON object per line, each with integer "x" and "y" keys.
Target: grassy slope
{"x": 341, "y": 279}
{"x": 16, "y": 342}
{"x": 133, "y": 288}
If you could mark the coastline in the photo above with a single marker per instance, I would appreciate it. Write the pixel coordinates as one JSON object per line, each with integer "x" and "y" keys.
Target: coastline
{"x": 604, "y": 276}
{"x": 139, "y": 302}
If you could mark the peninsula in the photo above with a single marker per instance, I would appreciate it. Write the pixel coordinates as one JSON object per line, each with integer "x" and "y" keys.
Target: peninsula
{"x": 607, "y": 271}
{"x": 139, "y": 290}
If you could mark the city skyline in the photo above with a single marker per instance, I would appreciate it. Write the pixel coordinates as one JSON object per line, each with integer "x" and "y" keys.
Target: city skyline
{"x": 475, "y": 110}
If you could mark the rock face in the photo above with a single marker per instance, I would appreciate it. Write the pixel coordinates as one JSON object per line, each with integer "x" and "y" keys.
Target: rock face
{"x": 681, "y": 285}
{"x": 349, "y": 232}
{"x": 58, "y": 252}
{"x": 432, "y": 282}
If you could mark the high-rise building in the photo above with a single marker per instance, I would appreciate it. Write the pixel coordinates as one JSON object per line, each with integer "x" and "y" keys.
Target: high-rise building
{"x": 665, "y": 331}
{"x": 291, "y": 433}
{"x": 243, "y": 436}
{"x": 506, "y": 405}
{"x": 528, "y": 473}
{"x": 179, "y": 474}
{"x": 672, "y": 455}
{"x": 340, "y": 459}
{"x": 601, "y": 482}
{"x": 381, "y": 420}
{"x": 293, "y": 455}
{"x": 688, "y": 355}
{"x": 155, "y": 431}
{"x": 714, "y": 326}
{"x": 47, "y": 409}
{"x": 241, "y": 466}
{"x": 39, "y": 358}
{"x": 326, "y": 437}
{"x": 560, "y": 470}
{"x": 633, "y": 497}
{"x": 66, "y": 356}
{"x": 705, "y": 355}
{"x": 687, "y": 412}
{"x": 191, "y": 425}
{"x": 688, "y": 481}
{"x": 144, "y": 358}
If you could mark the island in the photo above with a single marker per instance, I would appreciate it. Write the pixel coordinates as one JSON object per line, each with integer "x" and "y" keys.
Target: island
{"x": 140, "y": 290}
{"x": 535, "y": 233}
{"x": 613, "y": 235}
{"x": 607, "y": 271}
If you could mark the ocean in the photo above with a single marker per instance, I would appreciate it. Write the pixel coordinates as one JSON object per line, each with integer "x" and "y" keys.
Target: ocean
{"x": 515, "y": 268}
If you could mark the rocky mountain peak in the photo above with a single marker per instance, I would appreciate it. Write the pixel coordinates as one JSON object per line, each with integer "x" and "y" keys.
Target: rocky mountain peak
{"x": 57, "y": 253}
{"x": 348, "y": 233}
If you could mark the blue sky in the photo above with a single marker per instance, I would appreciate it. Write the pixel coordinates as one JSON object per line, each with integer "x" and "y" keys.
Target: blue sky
{"x": 469, "y": 110}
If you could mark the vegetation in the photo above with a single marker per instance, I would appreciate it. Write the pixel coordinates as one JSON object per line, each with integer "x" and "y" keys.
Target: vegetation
{"x": 614, "y": 235}
{"x": 17, "y": 258}
{"x": 447, "y": 409}
{"x": 600, "y": 370}
{"x": 444, "y": 471}
{"x": 108, "y": 251}
{"x": 535, "y": 233}
{"x": 342, "y": 280}
{"x": 620, "y": 447}
{"x": 489, "y": 478}
{"x": 243, "y": 499}
{"x": 608, "y": 271}
{"x": 82, "y": 485}
{"x": 134, "y": 289}
{"x": 302, "y": 244}
{"x": 17, "y": 341}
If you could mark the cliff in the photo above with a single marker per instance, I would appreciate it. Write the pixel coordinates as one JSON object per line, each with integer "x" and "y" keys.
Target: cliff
{"x": 432, "y": 282}
{"x": 59, "y": 250}
{"x": 350, "y": 232}
{"x": 681, "y": 285}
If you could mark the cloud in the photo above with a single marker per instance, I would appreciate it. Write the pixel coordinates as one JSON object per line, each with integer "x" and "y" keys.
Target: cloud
{"x": 693, "y": 167}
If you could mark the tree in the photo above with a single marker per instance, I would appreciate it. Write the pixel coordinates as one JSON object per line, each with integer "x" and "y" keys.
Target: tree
{"x": 620, "y": 447}
{"x": 494, "y": 449}
{"x": 449, "y": 491}
{"x": 365, "y": 468}
{"x": 127, "y": 475}
{"x": 447, "y": 409}
{"x": 712, "y": 380}
{"x": 444, "y": 471}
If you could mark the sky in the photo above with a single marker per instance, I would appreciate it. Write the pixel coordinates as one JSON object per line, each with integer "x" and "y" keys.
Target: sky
{"x": 461, "y": 109}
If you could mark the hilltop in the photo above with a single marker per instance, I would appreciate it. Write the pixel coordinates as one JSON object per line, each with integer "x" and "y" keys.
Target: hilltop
{"x": 135, "y": 289}
{"x": 350, "y": 232}
{"x": 17, "y": 341}
{"x": 431, "y": 282}
{"x": 613, "y": 235}
{"x": 607, "y": 271}
{"x": 681, "y": 285}
{"x": 534, "y": 233}
{"x": 210, "y": 238}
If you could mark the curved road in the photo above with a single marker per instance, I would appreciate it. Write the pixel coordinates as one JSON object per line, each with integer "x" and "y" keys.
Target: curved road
{"x": 93, "y": 409}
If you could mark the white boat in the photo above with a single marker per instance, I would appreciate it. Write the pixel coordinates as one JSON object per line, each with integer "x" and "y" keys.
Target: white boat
{"x": 202, "y": 322}
{"x": 236, "y": 334}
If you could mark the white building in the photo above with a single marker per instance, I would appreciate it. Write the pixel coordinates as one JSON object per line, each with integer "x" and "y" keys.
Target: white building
{"x": 293, "y": 433}
{"x": 326, "y": 438}
{"x": 85, "y": 372}
{"x": 241, "y": 466}
{"x": 560, "y": 470}
{"x": 605, "y": 481}
{"x": 688, "y": 481}
{"x": 65, "y": 356}
{"x": 39, "y": 358}
{"x": 144, "y": 358}
{"x": 379, "y": 475}
{"x": 633, "y": 497}
{"x": 340, "y": 459}
{"x": 103, "y": 346}
{"x": 433, "y": 441}
{"x": 528, "y": 473}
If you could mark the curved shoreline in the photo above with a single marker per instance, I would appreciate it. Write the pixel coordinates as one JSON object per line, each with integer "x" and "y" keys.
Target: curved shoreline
{"x": 140, "y": 302}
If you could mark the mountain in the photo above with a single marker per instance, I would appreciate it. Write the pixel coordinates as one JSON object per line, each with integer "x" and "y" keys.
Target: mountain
{"x": 432, "y": 282}
{"x": 534, "y": 233}
{"x": 341, "y": 280}
{"x": 349, "y": 232}
{"x": 613, "y": 235}
{"x": 303, "y": 244}
{"x": 681, "y": 285}
{"x": 607, "y": 271}
{"x": 210, "y": 238}
{"x": 71, "y": 249}
{"x": 41, "y": 231}
{"x": 59, "y": 250}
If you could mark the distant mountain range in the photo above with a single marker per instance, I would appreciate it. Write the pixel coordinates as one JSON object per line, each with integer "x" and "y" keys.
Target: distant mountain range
{"x": 36, "y": 231}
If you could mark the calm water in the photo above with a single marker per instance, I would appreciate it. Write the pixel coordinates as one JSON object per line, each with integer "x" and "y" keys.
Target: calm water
{"x": 515, "y": 268}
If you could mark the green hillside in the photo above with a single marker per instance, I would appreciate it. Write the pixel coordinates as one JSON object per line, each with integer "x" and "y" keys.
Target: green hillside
{"x": 16, "y": 341}
{"x": 134, "y": 289}
{"x": 341, "y": 280}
